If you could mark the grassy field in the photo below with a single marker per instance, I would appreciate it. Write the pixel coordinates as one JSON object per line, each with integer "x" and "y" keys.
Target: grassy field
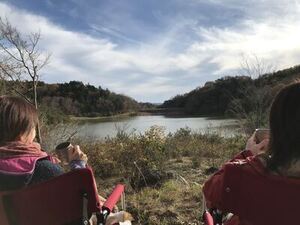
{"x": 164, "y": 174}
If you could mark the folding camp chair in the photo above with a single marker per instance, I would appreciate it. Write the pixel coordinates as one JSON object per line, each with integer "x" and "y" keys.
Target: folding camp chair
{"x": 207, "y": 218}
{"x": 211, "y": 216}
{"x": 261, "y": 199}
{"x": 69, "y": 199}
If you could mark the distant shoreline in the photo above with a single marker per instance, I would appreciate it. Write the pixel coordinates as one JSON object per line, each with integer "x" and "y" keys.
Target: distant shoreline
{"x": 164, "y": 112}
{"x": 99, "y": 118}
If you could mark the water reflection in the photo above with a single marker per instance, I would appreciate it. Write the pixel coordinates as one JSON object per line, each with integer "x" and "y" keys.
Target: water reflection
{"x": 139, "y": 124}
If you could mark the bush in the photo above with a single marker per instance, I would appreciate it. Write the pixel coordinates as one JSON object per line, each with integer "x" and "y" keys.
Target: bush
{"x": 164, "y": 173}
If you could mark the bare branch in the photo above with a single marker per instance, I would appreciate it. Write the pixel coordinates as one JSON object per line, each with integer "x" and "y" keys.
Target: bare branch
{"x": 34, "y": 39}
{"x": 23, "y": 96}
{"x": 9, "y": 53}
{"x": 7, "y": 71}
{"x": 21, "y": 56}
{"x": 45, "y": 62}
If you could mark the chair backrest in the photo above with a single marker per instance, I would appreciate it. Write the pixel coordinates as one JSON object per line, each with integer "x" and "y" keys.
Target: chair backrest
{"x": 58, "y": 201}
{"x": 3, "y": 216}
{"x": 261, "y": 199}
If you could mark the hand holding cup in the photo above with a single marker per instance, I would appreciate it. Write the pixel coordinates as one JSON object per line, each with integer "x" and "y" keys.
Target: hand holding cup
{"x": 257, "y": 144}
{"x": 66, "y": 152}
{"x": 76, "y": 154}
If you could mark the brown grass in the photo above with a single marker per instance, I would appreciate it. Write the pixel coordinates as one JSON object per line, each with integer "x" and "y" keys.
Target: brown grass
{"x": 164, "y": 174}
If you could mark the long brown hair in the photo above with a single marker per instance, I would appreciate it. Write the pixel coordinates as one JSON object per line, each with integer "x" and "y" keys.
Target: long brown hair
{"x": 284, "y": 142}
{"x": 17, "y": 117}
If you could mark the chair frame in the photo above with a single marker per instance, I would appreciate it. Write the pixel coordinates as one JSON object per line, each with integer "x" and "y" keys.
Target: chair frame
{"x": 11, "y": 211}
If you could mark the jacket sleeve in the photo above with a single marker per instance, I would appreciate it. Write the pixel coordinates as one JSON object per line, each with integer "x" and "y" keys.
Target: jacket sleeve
{"x": 44, "y": 170}
{"x": 77, "y": 164}
{"x": 242, "y": 155}
{"x": 214, "y": 188}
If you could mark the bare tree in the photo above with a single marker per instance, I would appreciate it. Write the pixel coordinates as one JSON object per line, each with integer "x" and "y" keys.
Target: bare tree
{"x": 255, "y": 67}
{"x": 21, "y": 59}
{"x": 252, "y": 106}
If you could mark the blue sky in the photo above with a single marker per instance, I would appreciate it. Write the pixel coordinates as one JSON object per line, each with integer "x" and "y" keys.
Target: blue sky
{"x": 152, "y": 50}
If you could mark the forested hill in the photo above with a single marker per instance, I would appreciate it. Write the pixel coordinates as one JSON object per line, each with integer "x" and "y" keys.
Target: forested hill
{"x": 216, "y": 98}
{"x": 75, "y": 98}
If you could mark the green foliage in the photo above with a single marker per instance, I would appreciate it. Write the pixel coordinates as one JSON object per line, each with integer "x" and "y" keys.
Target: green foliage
{"x": 241, "y": 97}
{"x": 217, "y": 98}
{"x": 212, "y": 99}
{"x": 75, "y": 98}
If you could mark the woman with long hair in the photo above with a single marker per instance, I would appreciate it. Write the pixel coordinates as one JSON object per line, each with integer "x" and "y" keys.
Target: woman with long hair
{"x": 261, "y": 185}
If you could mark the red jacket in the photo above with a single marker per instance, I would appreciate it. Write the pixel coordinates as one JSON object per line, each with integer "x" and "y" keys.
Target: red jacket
{"x": 247, "y": 189}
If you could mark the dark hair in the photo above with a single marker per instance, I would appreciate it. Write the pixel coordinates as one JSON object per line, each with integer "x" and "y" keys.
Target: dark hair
{"x": 284, "y": 145}
{"x": 17, "y": 117}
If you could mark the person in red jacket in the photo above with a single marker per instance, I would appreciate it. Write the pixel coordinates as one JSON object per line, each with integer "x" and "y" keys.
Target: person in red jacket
{"x": 261, "y": 185}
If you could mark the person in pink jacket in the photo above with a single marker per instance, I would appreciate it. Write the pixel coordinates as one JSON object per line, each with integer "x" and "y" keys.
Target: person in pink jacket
{"x": 261, "y": 185}
{"x": 22, "y": 161}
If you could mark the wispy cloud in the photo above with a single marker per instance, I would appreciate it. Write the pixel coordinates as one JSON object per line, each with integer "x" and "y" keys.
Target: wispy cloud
{"x": 177, "y": 53}
{"x": 113, "y": 32}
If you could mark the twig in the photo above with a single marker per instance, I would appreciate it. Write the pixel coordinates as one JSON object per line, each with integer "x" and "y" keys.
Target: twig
{"x": 184, "y": 180}
{"x": 140, "y": 173}
{"x": 72, "y": 135}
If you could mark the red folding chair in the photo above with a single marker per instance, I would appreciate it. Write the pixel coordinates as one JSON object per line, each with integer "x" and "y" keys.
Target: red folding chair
{"x": 69, "y": 199}
{"x": 211, "y": 216}
{"x": 207, "y": 218}
{"x": 257, "y": 198}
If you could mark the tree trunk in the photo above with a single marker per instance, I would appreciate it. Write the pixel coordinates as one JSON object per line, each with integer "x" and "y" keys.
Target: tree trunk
{"x": 38, "y": 128}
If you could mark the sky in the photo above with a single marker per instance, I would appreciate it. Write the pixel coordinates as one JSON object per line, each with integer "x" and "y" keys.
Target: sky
{"x": 152, "y": 50}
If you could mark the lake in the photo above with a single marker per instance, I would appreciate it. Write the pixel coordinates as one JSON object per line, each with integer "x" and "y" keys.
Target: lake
{"x": 139, "y": 124}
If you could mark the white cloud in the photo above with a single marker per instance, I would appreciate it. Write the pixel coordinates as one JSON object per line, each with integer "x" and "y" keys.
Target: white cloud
{"x": 274, "y": 42}
{"x": 155, "y": 70}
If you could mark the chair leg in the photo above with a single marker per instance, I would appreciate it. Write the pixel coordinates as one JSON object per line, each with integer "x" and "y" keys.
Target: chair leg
{"x": 123, "y": 203}
{"x": 102, "y": 216}
{"x": 85, "y": 217}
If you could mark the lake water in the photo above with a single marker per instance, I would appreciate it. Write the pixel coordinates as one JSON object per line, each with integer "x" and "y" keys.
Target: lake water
{"x": 139, "y": 124}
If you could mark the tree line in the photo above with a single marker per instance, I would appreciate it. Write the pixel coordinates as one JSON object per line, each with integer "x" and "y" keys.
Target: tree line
{"x": 233, "y": 94}
{"x": 73, "y": 98}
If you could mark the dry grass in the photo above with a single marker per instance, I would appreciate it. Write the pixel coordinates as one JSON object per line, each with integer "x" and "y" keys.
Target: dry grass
{"x": 164, "y": 174}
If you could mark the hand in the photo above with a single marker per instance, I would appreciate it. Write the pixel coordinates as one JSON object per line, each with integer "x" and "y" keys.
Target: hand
{"x": 74, "y": 153}
{"x": 257, "y": 148}
{"x": 103, "y": 200}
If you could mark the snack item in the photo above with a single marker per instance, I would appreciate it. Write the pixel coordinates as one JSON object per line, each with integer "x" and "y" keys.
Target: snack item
{"x": 119, "y": 217}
